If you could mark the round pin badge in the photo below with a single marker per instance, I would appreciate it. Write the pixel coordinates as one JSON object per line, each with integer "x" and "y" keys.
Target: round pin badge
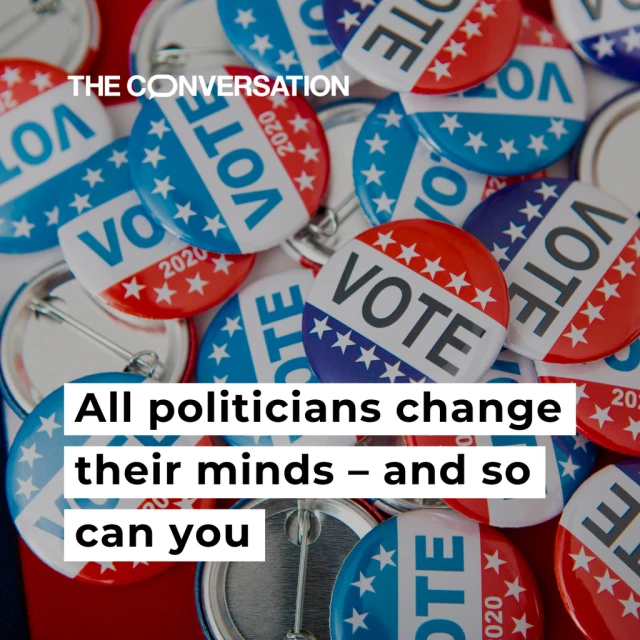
{"x": 178, "y": 37}
{"x": 608, "y": 150}
{"x": 124, "y": 258}
{"x": 568, "y": 251}
{"x": 399, "y": 176}
{"x": 424, "y": 47}
{"x": 596, "y": 556}
{"x": 414, "y": 300}
{"x": 243, "y": 175}
{"x": 608, "y": 397}
{"x": 64, "y": 33}
{"x": 434, "y": 573}
{"x": 44, "y": 132}
{"x": 35, "y": 488}
{"x": 523, "y": 119}
{"x": 239, "y": 600}
{"x": 283, "y": 38}
{"x": 340, "y": 218}
{"x": 605, "y": 34}
{"x": 53, "y": 332}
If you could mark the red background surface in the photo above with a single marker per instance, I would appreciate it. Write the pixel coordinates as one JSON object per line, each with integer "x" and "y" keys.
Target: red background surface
{"x": 163, "y": 608}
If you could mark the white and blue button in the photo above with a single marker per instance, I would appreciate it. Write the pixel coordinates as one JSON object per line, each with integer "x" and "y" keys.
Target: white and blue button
{"x": 283, "y": 37}
{"x": 44, "y": 132}
{"x": 229, "y": 175}
{"x": 606, "y": 34}
{"x": 523, "y": 119}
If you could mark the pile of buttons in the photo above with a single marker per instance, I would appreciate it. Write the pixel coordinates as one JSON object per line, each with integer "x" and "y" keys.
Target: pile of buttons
{"x": 253, "y": 239}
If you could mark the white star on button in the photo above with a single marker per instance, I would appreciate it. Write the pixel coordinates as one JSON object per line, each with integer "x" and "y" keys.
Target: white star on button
{"x": 52, "y": 216}
{"x": 592, "y": 312}
{"x": 522, "y": 626}
{"x": 232, "y": 325}
{"x": 581, "y": 395}
{"x": 569, "y": 468}
{"x": 349, "y": 20}
{"x": 558, "y": 129}
{"x": 118, "y": 158}
{"x": 391, "y": 119}
{"x": 609, "y": 290}
{"x": 531, "y": 211}
{"x": 26, "y": 487}
{"x": 214, "y": 225}
{"x": 636, "y": 247}
{"x": 384, "y": 558}
{"x": 222, "y": 264}
{"x": 305, "y": 181}
{"x": 483, "y": 298}
{"x": 581, "y": 560}
{"x": 408, "y": 253}
{"x": 367, "y": 356}
{"x": 458, "y": 282}
{"x": 310, "y": 153}
{"x": 163, "y": 187}
{"x": 601, "y": 416}
{"x": 508, "y": 149}
{"x": 580, "y": 442}
{"x": 606, "y": 582}
{"x": 186, "y": 503}
{"x": 357, "y": 621}
{"x": 320, "y": 327}
{"x": 515, "y": 232}
{"x": 29, "y": 454}
{"x": 364, "y": 584}
{"x": 634, "y": 428}
{"x": 471, "y": 29}
{"x": 365, "y": 3}
{"x": 475, "y": 141}
{"x": 383, "y": 203}
{"x": 576, "y": 335}
{"x": 42, "y": 81}
{"x": 632, "y": 41}
{"x": 440, "y": 69}
{"x": 219, "y": 353}
{"x": 196, "y": 284}
{"x": 80, "y": 203}
{"x": 106, "y": 566}
{"x": 494, "y": 561}
{"x": 11, "y": 76}
{"x": 343, "y": 341}
{"x": 604, "y": 47}
{"x": 185, "y": 212}
{"x": 93, "y": 177}
{"x": 279, "y": 100}
{"x": 547, "y": 191}
{"x": 377, "y": 144}
{"x": 159, "y": 128}
{"x": 287, "y": 59}
{"x": 545, "y": 36}
{"x": 456, "y": 48}
{"x": 486, "y": 10}
{"x": 392, "y": 372}
{"x": 22, "y": 228}
{"x": 299, "y": 123}
{"x": 373, "y": 175}
{"x": 625, "y": 269}
{"x": 514, "y": 589}
{"x": 133, "y": 289}
{"x": 245, "y": 18}
{"x": 500, "y": 253}
{"x": 384, "y": 240}
{"x": 153, "y": 156}
{"x": 261, "y": 44}
{"x": 433, "y": 267}
{"x": 630, "y": 606}
{"x": 450, "y": 123}
{"x": 537, "y": 144}
{"x": 48, "y": 425}
{"x": 164, "y": 293}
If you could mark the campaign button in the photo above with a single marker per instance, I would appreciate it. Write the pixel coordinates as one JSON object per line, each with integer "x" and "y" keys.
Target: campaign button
{"x": 44, "y": 132}
{"x": 399, "y": 176}
{"x": 569, "y": 459}
{"x": 253, "y": 170}
{"x": 63, "y": 33}
{"x": 608, "y": 397}
{"x": 569, "y": 253}
{"x": 123, "y": 258}
{"x": 35, "y": 487}
{"x": 523, "y": 119}
{"x": 283, "y": 37}
{"x": 408, "y": 301}
{"x": 434, "y": 573}
{"x": 605, "y": 34}
{"x": 597, "y": 552}
{"x": 423, "y": 46}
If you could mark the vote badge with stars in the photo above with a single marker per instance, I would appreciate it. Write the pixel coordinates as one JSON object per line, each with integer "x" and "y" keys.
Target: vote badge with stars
{"x": 125, "y": 259}
{"x": 523, "y": 119}
{"x": 569, "y": 252}
{"x": 399, "y": 176}
{"x": 283, "y": 37}
{"x": 597, "y": 551}
{"x": 422, "y": 46}
{"x": 569, "y": 459}
{"x": 44, "y": 132}
{"x": 434, "y": 573}
{"x": 251, "y": 169}
{"x": 608, "y": 397}
{"x": 35, "y": 487}
{"x": 408, "y": 301}
{"x": 605, "y": 34}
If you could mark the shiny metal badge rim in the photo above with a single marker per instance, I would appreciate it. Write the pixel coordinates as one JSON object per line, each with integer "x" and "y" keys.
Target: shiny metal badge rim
{"x": 213, "y": 612}
{"x": 33, "y": 297}
{"x": 86, "y": 46}
{"x": 143, "y": 49}
{"x": 307, "y": 246}
{"x": 586, "y": 156}
{"x": 396, "y": 506}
